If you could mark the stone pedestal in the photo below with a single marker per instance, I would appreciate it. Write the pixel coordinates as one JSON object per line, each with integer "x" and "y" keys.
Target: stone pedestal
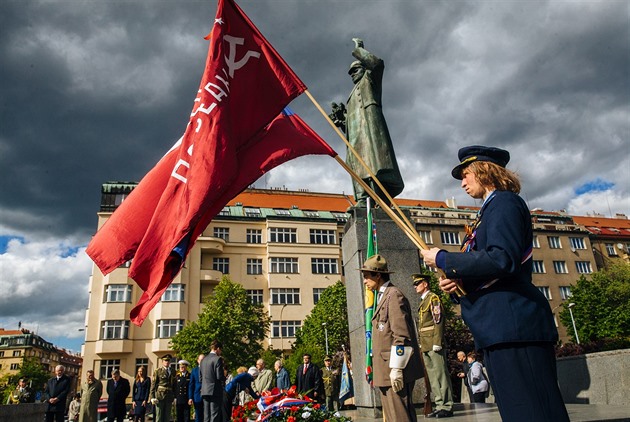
{"x": 402, "y": 258}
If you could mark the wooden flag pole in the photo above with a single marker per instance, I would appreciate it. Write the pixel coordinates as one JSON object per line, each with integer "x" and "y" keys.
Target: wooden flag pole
{"x": 401, "y": 219}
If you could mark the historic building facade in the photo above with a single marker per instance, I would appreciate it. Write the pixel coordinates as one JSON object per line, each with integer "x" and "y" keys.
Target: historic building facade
{"x": 284, "y": 248}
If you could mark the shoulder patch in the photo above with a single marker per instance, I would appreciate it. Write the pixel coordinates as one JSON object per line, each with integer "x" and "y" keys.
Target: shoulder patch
{"x": 400, "y": 350}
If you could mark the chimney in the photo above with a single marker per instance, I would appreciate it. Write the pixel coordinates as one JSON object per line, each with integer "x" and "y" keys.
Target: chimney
{"x": 451, "y": 202}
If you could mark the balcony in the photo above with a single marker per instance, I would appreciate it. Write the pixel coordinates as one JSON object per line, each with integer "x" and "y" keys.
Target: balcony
{"x": 210, "y": 276}
{"x": 159, "y": 345}
{"x": 211, "y": 245}
{"x": 114, "y": 346}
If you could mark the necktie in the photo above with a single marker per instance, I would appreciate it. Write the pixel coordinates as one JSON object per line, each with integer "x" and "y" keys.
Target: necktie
{"x": 305, "y": 368}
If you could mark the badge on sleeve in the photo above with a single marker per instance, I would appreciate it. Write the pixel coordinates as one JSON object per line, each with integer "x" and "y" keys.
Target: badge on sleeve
{"x": 400, "y": 350}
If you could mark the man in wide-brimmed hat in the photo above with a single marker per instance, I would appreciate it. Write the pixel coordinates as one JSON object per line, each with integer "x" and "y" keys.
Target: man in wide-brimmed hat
{"x": 396, "y": 357}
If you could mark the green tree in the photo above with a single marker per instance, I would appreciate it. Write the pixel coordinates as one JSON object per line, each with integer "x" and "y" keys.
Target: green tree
{"x": 230, "y": 317}
{"x": 32, "y": 370}
{"x": 332, "y": 310}
{"x": 602, "y": 305}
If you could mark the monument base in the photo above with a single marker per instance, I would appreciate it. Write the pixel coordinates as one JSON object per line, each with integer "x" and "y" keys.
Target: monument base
{"x": 403, "y": 259}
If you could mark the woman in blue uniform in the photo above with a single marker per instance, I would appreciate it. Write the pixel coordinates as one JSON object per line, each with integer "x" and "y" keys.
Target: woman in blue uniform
{"x": 508, "y": 316}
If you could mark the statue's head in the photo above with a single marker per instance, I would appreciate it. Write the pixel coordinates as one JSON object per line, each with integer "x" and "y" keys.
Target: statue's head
{"x": 356, "y": 71}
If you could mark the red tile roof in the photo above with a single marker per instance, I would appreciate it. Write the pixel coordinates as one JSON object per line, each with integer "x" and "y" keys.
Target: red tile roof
{"x": 605, "y": 226}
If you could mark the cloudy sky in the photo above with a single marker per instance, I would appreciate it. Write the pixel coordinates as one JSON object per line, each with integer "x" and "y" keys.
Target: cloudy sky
{"x": 93, "y": 91}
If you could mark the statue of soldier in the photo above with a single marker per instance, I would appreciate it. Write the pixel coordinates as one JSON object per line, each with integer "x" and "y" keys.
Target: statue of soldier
{"x": 365, "y": 127}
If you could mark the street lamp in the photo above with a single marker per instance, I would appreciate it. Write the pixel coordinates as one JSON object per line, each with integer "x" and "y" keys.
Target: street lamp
{"x": 326, "y": 334}
{"x": 281, "y": 339}
{"x": 571, "y": 305}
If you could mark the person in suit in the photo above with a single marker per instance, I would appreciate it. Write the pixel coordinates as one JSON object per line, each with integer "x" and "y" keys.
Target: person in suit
{"x": 162, "y": 390}
{"x": 194, "y": 391}
{"x": 432, "y": 346}
{"x": 308, "y": 378}
{"x": 461, "y": 357}
{"x": 140, "y": 394}
{"x": 212, "y": 383}
{"x": 508, "y": 316}
{"x": 117, "y": 391}
{"x": 181, "y": 392}
{"x": 330, "y": 380}
{"x": 265, "y": 378}
{"x": 396, "y": 357}
{"x": 22, "y": 393}
{"x": 283, "y": 382}
{"x": 91, "y": 392}
{"x": 57, "y": 390}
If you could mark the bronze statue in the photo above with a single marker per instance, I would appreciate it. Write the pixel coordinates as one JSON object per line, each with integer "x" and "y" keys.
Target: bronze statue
{"x": 365, "y": 127}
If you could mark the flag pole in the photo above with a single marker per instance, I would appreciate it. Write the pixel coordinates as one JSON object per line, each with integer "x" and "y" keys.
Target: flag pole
{"x": 402, "y": 221}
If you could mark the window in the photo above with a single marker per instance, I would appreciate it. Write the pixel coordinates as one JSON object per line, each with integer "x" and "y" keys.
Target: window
{"x": 279, "y": 211}
{"x": 449, "y": 238}
{"x": 252, "y": 212}
{"x": 174, "y": 293}
{"x": 577, "y": 242}
{"x": 14, "y": 366}
{"x": 254, "y": 236}
{"x": 222, "y": 233}
{"x": 536, "y": 242}
{"x": 538, "y": 267}
{"x": 545, "y": 291}
{"x": 324, "y": 266}
{"x": 583, "y": 267}
{"x": 254, "y": 266}
{"x": 565, "y": 292}
{"x": 560, "y": 267}
{"x": 282, "y": 235}
{"x": 610, "y": 249}
{"x": 2, "y": 354}
{"x": 312, "y": 214}
{"x": 107, "y": 366}
{"x": 438, "y": 214}
{"x": 221, "y": 264}
{"x": 143, "y": 362}
{"x": 284, "y": 328}
{"x": 317, "y": 293}
{"x": 114, "y": 330}
{"x": 284, "y": 265}
{"x": 341, "y": 217}
{"x": 323, "y": 237}
{"x": 255, "y": 296}
{"x": 225, "y": 211}
{"x": 118, "y": 293}
{"x": 282, "y": 296}
{"x": 426, "y": 236}
{"x": 167, "y": 328}
{"x": 17, "y": 353}
{"x": 554, "y": 242}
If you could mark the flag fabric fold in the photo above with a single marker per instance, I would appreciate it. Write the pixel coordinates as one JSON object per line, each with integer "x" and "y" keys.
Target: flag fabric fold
{"x": 345, "y": 390}
{"x": 229, "y": 142}
{"x": 370, "y": 296}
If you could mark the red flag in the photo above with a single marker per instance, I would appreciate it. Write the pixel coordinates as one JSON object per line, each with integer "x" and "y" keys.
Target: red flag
{"x": 287, "y": 137}
{"x": 245, "y": 85}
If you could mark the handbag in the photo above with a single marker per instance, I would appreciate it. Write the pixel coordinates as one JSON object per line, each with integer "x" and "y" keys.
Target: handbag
{"x": 236, "y": 400}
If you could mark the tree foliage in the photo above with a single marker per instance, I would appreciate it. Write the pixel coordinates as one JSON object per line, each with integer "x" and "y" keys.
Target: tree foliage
{"x": 230, "y": 317}
{"x": 32, "y": 370}
{"x": 602, "y": 305}
{"x": 331, "y": 309}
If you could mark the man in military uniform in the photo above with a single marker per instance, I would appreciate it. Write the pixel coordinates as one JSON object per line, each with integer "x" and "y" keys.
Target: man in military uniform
{"x": 330, "y": 379}
{"x": 162, "y": 390}
{"x": 22, "y": 394}
{"x": 431, "y": 333}
{"x": 396, "y": 361}
{"x": 181, "y": 392}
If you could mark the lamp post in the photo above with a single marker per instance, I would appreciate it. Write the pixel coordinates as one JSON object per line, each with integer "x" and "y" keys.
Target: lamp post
{"x": 571, "y": 305}
{"x": 281, "y": 339}
{"x": 326, "y": 335}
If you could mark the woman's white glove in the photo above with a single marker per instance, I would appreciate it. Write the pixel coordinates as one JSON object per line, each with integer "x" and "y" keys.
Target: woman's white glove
{"x": 396, "y": 377}
{"x": 436, "y": 348}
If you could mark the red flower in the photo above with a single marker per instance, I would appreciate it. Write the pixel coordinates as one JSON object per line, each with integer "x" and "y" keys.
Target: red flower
{"x": 292, "y": 391}
{"x": 274, "y": 391}
{"x": 291, "y": 419}
{"x": 317, "y": 406}
{"x": 294, "y": 409}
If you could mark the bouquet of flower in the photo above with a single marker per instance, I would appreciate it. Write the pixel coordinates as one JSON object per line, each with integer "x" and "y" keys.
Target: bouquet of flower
{"x": 289, "y": 406}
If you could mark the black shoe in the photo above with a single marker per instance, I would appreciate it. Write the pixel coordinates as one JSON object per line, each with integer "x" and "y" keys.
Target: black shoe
{"x": 432, "y": 414}
{"x": 444, "y": 414}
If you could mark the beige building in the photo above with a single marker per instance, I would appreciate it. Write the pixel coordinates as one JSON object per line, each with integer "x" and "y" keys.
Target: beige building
{"x": 284, "y": 248}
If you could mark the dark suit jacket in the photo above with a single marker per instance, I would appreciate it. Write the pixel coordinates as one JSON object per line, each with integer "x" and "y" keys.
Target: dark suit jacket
{"x": 512, "y": 309}
{"x": 60, "y": 390}
{"x": 116, "y": 396}
{"x": 211, "y": 375}
{"x": 312, "y": 380}
{"x": 392, "y": 325}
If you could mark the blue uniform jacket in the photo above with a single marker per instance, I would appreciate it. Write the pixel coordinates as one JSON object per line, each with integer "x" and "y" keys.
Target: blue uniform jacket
{"x": 194, "y": 388}
{"x": 512, "y": 309}
{"x": 244, "y": 382}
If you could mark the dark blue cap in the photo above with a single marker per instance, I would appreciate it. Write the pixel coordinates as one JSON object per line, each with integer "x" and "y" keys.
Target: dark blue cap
{"x": 474, "y": 153}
